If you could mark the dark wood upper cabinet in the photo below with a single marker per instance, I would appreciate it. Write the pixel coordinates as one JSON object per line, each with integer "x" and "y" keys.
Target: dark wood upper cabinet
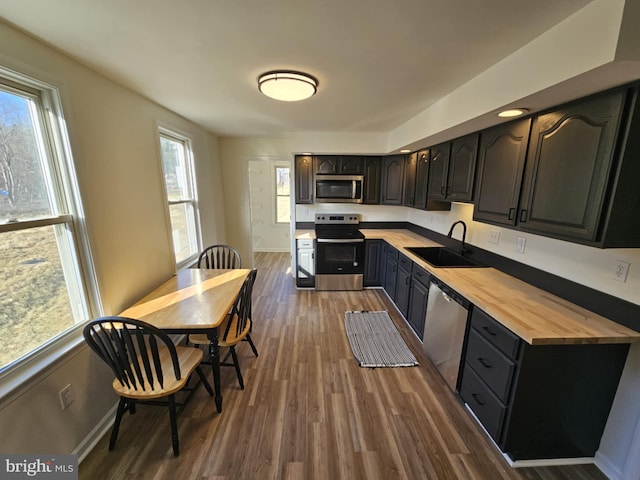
{"x": 438, "y": 171}
{"x": 338, "y": 165}
{"x": 580, "y": 177}
{"x": 452, "y": 169}
{"x": 304, "y": 178}
{"x": 372, "y": 170}
{"x": 325, "y": 164}
{"x": 350, "y": 165}
{"x": 392, "y": 179}
{"x": 422, "y": 178}
{"x": 409, "y": 190}
{"x": 462, "y": 167}
{"x": 570, "y": 157}
{"x": 501, "y": 156}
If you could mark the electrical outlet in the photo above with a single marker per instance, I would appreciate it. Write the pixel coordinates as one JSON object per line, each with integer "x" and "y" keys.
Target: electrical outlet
{"x": 66, "y": 397}
{"x": 621, "y": 270}
{"x": 494, "y": 236}
{"x": 520, "y": 243}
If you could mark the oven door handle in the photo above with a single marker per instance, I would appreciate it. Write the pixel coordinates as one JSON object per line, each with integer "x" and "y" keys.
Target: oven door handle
{"x": 340, "y": 240}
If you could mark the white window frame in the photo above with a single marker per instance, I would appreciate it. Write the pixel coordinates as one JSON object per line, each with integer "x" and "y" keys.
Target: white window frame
{"x": 172, "y": 134}
{"x": 274, "y": 179}
{"x": 70, "y": 229}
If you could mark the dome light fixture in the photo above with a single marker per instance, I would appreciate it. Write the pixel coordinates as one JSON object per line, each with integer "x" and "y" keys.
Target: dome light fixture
{"x": 513, "y": 112}
{"x": 287, "y": 85}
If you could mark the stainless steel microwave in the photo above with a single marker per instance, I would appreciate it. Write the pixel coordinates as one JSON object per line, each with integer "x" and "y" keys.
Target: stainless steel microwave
{"x": 338, "y": 188}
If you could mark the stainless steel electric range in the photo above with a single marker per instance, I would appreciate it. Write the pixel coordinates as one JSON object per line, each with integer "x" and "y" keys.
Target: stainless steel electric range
{"x": 339, "y": 252}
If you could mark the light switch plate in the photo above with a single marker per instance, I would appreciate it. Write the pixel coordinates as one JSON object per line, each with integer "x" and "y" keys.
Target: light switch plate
{"x": 494, "y": 237}
{"x": 520, "y": 244}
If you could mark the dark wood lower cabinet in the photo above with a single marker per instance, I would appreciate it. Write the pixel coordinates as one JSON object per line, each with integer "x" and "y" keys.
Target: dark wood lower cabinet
{"x": 403, "y": 284}
{"x": 372, "y": 264}
{"x": 542, "y": 401}
{"x": 418, "y": 294}
{"x": 390, "y": 272}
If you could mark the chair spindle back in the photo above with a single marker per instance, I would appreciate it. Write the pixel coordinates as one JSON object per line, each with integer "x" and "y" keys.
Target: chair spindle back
{"x": 219, "y": 256}
{"x": 131, "y": 349}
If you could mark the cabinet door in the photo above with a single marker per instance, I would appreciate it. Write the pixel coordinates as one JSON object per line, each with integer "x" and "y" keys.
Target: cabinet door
{"x": 409, "y": 190}
{"x": 422, "y": 177}
{"x": 438, "y": 171}
{"x": 350, "y": 165}
{"x": 372, "y": 167}
{"x": 462, "y": 168}
{"x": 417, "y": 311}
{"x": 403, "y": 285}
{"x": 373, "y": 250}
{"x": 304, "y": 179}
{"x": 392, "y": 179}
{"x": 570, "y": 155}
{"x": 326, "y": 164}
{"x": 305, "y": 273}
{"x": 501, "y": 157}
{"x": 391, "y": 273}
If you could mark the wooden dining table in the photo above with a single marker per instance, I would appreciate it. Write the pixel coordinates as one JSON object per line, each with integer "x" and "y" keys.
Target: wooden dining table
{"x": 193, "y": 301}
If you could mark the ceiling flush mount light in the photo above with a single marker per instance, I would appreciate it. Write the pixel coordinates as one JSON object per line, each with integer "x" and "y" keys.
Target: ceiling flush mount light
{"x": 513, "y": 112}
{"x": 287, "y": 86}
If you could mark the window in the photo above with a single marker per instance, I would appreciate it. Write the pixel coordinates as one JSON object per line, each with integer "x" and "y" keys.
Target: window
{"x": 41, "y": 234}
{"x": 179, "y": 182}
{"x": 283, "y": 202}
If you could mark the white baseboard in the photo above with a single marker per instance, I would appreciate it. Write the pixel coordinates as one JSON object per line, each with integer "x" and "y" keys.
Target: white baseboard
{"x": 95, "y": 435}
{"x": 547, "y": 462}
{"x": 606, "y": 466}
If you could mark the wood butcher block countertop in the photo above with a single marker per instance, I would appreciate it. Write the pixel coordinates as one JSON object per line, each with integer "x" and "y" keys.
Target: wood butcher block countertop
{"x": 536, "y": 316}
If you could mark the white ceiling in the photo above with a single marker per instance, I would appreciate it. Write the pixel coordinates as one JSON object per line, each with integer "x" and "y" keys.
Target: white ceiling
{"x": 378, "y": 62}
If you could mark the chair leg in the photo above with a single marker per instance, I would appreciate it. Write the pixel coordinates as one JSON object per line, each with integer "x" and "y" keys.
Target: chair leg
{"x": 122, "y": 407}
{"x": 237, "y": 365}
{"x": 173, "y": 418}
{"x": 253, "y": 347}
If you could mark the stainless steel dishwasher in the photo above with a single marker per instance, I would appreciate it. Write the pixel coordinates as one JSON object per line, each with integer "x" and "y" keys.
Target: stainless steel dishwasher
{"x": 444, "y": 329}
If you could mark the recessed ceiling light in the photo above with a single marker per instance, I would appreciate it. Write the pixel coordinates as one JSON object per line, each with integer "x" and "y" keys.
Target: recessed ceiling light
{"x": 287, "y": 85}
{"x": 405, "y": 150}
{"x": 513, "y": 112}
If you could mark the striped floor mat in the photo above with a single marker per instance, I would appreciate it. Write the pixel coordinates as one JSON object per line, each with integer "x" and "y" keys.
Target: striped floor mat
{"x": 375, "y": 340}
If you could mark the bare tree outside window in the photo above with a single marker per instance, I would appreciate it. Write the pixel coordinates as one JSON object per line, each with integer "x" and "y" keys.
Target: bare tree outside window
{"x": 41, "y": 294}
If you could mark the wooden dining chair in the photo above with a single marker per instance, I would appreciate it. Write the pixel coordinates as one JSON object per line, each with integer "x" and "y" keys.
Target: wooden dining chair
{"x": 235, "y": 328}
{"x": 148, "y": 367}
{"x": 219, "y": 256}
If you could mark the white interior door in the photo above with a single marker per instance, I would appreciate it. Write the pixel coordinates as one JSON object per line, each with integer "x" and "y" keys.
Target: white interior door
{"x": 268, "y": 195}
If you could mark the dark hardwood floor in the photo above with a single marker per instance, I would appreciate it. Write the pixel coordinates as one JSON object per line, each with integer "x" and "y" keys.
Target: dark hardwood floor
{"x": 309, "y": 412}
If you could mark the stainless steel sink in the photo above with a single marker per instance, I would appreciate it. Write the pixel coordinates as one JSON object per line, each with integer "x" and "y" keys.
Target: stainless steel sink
{"x": 443, "y": 257}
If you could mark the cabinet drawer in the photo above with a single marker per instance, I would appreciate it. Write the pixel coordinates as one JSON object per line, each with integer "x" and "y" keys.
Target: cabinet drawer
{"x": 392, "y": 253}
{"x": 494, "y": 333}
{"x": 492, "y": 367}
{"x": 405, "y": 262}
{"x": 421, "y": 275}
{"x": 485, "y": 405}
{"x": 306, "y": 243}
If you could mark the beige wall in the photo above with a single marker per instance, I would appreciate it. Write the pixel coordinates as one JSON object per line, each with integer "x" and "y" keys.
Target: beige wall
{"x": 113, "y": 134}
